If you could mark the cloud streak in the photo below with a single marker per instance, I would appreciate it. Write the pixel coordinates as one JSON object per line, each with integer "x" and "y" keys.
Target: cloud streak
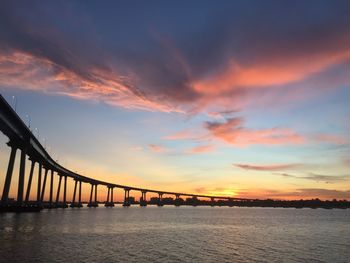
{"x": 157, "y": 148}
{"x": 201, "y": 149}
{"x": 319, "y": 177}
{"x": 269, "y": 167}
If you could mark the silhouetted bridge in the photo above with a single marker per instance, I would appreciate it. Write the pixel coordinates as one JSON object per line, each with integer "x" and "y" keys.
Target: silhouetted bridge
{"x": 21, "y": 138}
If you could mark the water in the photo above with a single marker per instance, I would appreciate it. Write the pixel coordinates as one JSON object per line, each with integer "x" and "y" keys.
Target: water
{"x": 170, "y": 234}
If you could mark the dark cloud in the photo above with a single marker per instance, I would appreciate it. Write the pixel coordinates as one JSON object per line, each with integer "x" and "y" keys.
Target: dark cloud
{"x": 319, "y": 177}
{"x": 208, "y": 54}
{"x": 322, "y": 193}
{"x": 268, "y": 167}
{"x": 301, "y": 193}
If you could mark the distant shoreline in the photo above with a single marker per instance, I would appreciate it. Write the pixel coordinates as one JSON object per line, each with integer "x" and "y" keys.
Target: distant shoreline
{"x": 267, "y": 203}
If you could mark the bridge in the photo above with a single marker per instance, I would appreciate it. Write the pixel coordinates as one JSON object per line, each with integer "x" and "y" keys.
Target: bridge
{"x": 22, "y": 139}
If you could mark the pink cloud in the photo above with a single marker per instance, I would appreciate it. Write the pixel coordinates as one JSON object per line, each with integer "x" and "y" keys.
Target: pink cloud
{"x": 268, "y": 167}
{"x": 330, "y": 138}
{"x": 164, "y": 76}
{"x": 26, "y": 71}
{"x": 233, "y": 132}
{"x": 157, "y": 148}
{"x": 272, "y": 70}
{"x": 201, "y": 149}
{"x": 190, "y": 134}
{"x": 181, "y": 135}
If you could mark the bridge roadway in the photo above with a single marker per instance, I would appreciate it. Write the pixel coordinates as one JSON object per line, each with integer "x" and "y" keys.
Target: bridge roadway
{"x": 21, "y": 138}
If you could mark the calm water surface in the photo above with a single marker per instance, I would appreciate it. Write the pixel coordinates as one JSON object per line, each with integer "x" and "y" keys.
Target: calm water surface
{"x": 170, "y": 234}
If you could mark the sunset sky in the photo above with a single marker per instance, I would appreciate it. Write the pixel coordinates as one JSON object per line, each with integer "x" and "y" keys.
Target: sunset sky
{"x": 235, "y": 98}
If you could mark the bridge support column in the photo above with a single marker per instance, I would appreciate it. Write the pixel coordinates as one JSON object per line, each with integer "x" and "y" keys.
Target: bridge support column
{"x": 177, "y": 200}
{"x": 160, "y": 199}
{"x": 143, "y": 200}
{"x": 112, "y": 196}
{"x": 109, "y": 201}
{"x": 65, "y": 193}
{"x": 126, "y": 197}
{"x": 230, "y": 202}
{"x": 5, "y": 193}
{"x": 38, "y": 197}
{"x": 21, "y": 178}
{"x": 96, "y": 202}
{"x": 74, "y": 193}
{"x": 79, "y": 200}
{"x": 30, "y": 181}
{"x": 212, "y": 201}
{"x": 58, "y": 191}
{"x": 51, "y": 190}
{"x": 91, "y": 202}
{"x": 44, "y": 185}
{"x": 194, "y": 201}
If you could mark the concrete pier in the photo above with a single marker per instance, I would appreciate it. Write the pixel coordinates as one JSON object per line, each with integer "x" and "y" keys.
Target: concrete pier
{"x": 109, "y": 202}
{"x": 143, "y": 200}
{"x": 126, "y": 197}
{"x": 160, "y": 201}
{"x": 93, "y": 203}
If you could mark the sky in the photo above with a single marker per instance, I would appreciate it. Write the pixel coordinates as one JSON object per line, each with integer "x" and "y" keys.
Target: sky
{"x": 230, "y": 98}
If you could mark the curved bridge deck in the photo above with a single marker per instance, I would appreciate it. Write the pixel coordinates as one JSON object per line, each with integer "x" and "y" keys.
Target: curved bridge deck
{"x": 21, "y": 138}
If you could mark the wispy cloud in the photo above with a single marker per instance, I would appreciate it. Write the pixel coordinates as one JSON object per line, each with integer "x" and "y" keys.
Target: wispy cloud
{"x": 318, "y": 177}
{"x": 222, "y": 114}
{"x": 181, "y": 135}
{"x": 157, "y": 148}
{"x": 201, "y": 149}
{"x": 137, "y": 148}
{"x": 347, "y": 162}
{"x": 331, "y": 138}
{"x": 268, "y": 167}
{"x": 301, "y": 193}
{"x": 197, "y": 135}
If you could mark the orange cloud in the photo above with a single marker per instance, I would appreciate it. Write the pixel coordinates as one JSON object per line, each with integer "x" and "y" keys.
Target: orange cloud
{"x": 274, "y": 71}
{"x": 26, "y": 71}
{"x": 269, "y": 167}
{"x": 234, "y": 133}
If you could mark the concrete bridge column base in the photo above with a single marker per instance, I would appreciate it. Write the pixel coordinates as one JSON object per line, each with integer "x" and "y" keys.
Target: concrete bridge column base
{"x": 76, "y": 205}
{"x": 143, "y": 203}
{"x": 20, "y": 208}
{"x": 92, "y": 204}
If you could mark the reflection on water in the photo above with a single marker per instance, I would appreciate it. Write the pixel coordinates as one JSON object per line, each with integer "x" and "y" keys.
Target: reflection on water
{"x": 170, "y": 234}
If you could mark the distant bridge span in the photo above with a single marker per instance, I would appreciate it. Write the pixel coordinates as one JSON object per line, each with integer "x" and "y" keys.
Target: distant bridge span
{"x": 21, "y": 138}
